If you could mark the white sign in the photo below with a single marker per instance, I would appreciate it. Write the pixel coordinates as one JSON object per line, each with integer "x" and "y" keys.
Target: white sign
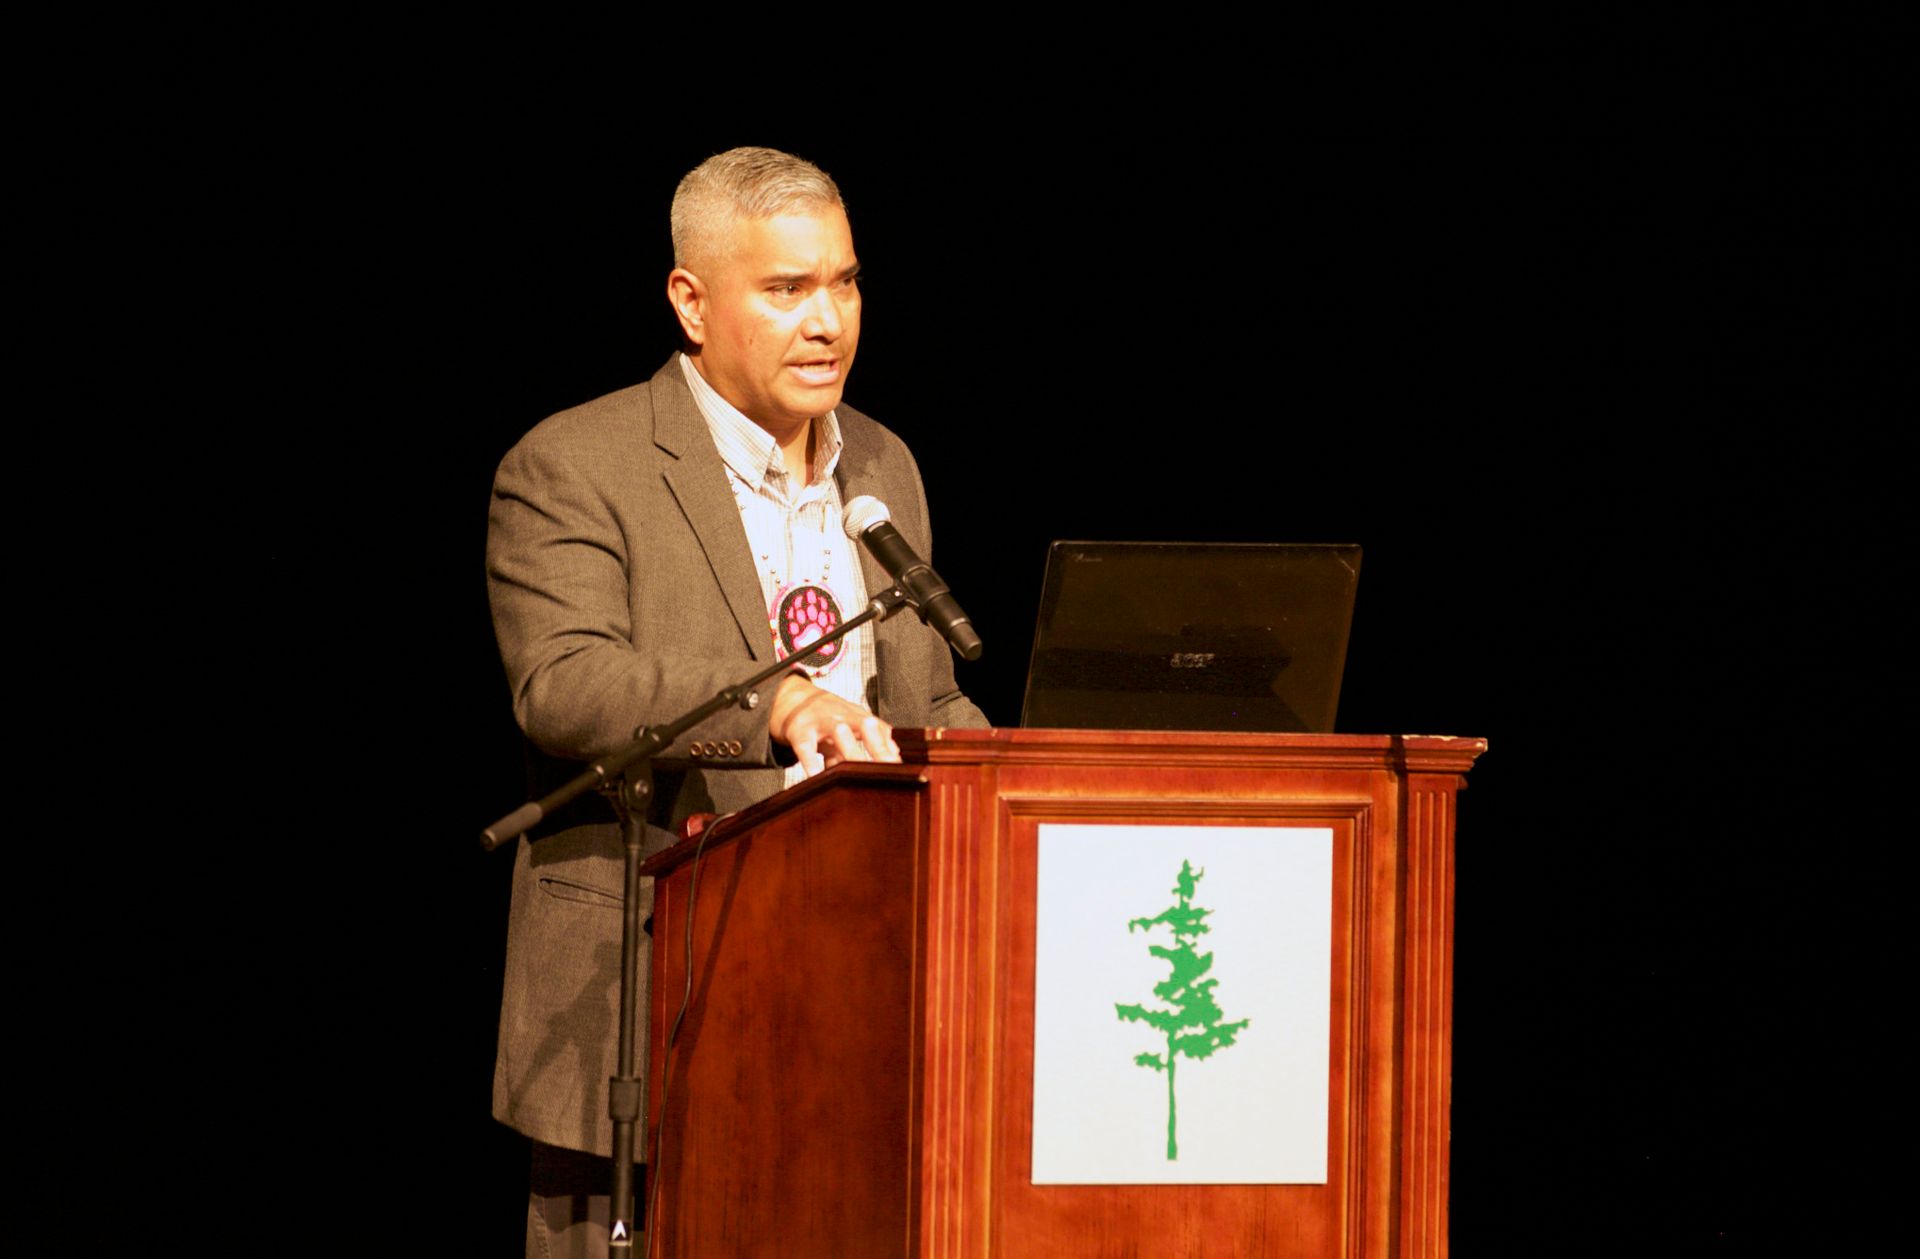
{"x": 1181, "y": 1004}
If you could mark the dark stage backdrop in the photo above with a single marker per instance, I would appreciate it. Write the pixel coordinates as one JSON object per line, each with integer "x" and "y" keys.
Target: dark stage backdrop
{"x": 1606, "y": 416}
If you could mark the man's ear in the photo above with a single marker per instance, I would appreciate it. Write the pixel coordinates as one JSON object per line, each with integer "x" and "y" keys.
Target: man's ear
{"x": 687, "y": 294}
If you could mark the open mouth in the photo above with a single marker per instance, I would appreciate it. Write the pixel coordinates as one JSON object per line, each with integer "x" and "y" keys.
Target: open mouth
{"x": 821, "y": 373}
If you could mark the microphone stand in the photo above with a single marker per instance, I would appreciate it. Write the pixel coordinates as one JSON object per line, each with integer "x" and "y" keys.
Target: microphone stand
{"x": 626, "y": 778}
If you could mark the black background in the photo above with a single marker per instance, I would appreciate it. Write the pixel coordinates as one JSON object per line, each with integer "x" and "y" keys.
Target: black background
{"x": 1602, "y": 388}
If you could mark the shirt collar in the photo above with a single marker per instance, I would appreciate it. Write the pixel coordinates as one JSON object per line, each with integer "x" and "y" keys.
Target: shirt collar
{"x": 749, "y": 449}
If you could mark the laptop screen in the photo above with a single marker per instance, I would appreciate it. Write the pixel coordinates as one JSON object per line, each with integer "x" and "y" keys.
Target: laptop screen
{"x": 1191, "y": 636}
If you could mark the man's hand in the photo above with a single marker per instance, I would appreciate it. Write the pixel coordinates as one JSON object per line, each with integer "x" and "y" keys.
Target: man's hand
{"x": 823, "y": 729}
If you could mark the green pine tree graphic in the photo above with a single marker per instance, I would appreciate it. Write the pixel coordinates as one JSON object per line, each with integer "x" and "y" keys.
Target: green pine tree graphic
{"x": 1192, "y": 1022}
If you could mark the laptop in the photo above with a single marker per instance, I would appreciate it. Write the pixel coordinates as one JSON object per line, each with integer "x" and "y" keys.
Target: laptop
{"x": 1191, "y": 636}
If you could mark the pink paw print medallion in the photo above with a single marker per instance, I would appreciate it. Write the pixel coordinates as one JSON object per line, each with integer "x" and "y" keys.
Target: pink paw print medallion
{"x": 801, "y": 616}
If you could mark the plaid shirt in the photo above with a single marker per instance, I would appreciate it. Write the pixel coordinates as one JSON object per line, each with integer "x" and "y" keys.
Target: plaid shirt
{"x": 796, "y": 538}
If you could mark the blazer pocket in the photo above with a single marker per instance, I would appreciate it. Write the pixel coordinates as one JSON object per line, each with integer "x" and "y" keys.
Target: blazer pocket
{"x": 579, "y": 893}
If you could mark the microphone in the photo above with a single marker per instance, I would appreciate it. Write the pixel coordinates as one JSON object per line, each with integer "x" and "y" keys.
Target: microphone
{"x": 868, "y": 520}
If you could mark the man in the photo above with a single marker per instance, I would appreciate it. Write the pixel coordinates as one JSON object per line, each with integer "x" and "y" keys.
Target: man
{"x": 644, "y": 551}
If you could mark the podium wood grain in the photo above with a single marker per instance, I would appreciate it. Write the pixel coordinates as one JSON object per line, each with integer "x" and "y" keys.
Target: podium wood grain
{"x": 855, "y": 1073}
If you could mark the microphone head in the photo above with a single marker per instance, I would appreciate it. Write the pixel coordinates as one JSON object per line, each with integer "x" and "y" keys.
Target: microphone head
{"x": 862, "y": 514}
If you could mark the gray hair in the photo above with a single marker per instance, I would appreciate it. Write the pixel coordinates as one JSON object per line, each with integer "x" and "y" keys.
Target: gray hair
{"x": 742, "y": 183}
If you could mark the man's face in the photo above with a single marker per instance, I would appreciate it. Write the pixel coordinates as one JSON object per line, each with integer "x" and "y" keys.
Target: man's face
{"x": 778, "y": 316}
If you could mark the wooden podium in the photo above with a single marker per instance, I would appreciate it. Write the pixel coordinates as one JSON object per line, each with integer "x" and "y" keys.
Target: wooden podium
{"x": 854, "y": 1075}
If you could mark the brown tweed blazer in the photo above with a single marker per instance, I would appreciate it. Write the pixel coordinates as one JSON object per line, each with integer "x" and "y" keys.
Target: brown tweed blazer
{"x": 624, "y": 594}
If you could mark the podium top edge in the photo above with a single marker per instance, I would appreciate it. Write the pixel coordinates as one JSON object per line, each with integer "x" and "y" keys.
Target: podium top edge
{"x": 1423, "y": 753}
{"x": 924, "y": 748}
{"x": 999, "y": 736}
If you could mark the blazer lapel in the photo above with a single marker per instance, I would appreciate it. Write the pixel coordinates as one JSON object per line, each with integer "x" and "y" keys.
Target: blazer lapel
{"x": 859, "y": 473}
{"x": 698, "y": 481}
